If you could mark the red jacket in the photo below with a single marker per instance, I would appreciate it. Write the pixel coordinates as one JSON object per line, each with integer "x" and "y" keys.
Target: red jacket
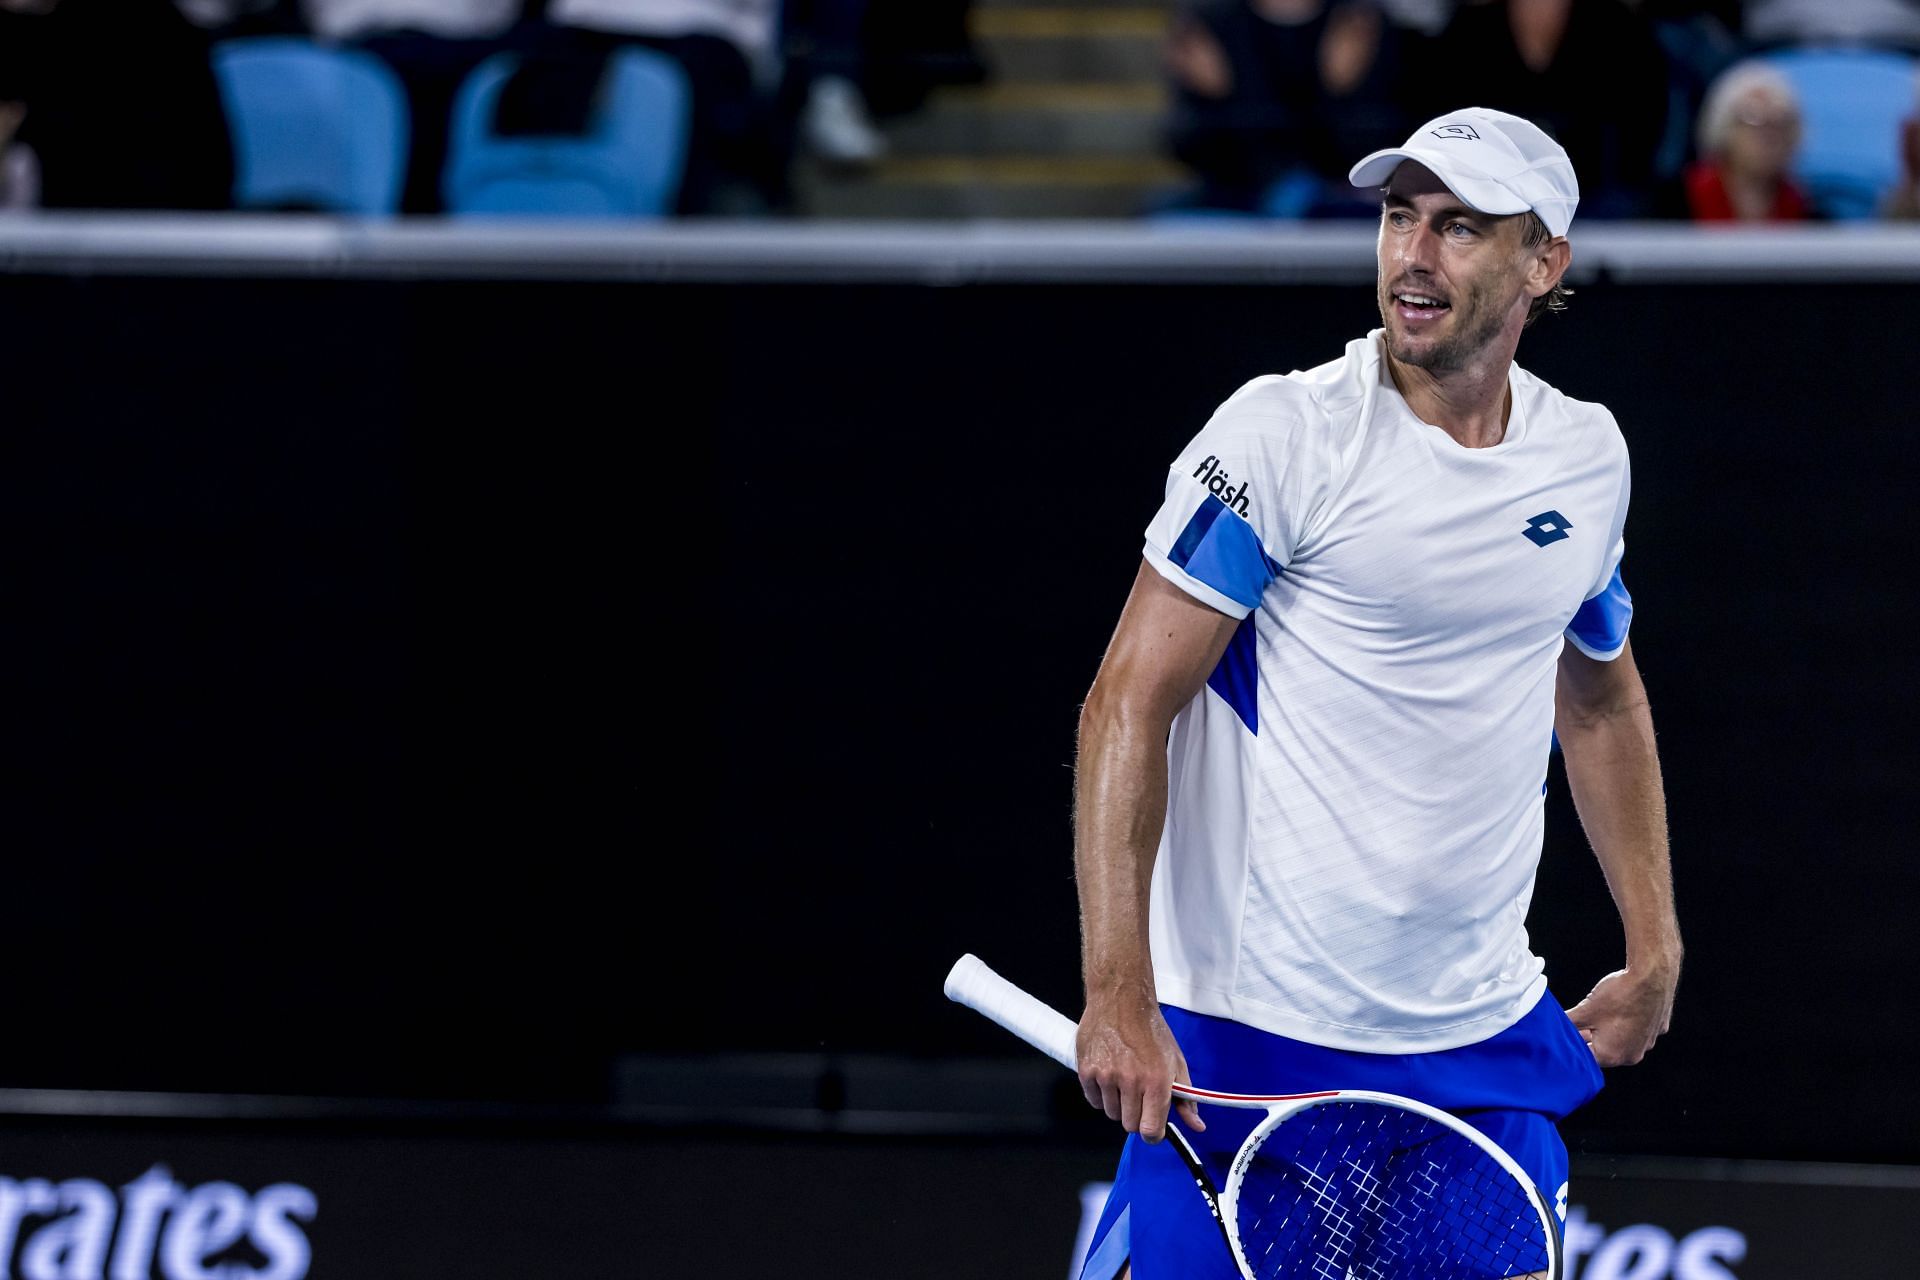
{"x": 1708, "y": 201}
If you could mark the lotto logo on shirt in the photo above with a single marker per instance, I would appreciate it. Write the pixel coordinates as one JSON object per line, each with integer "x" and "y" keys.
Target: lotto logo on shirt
{"x": 1219, "y": 484}
{"x": 153, "y": 1229}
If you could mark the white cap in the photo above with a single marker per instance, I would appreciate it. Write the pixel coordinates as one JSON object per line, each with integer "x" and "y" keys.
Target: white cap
{"x": 1495, "y": 162}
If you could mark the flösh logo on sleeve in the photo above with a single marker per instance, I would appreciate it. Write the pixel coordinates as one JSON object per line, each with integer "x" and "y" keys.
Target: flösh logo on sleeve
{"x": 1218, "y": 482}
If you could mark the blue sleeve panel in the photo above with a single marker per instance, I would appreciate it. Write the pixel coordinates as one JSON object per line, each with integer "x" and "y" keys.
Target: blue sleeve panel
{"x": 1237, "y": 676}
{"x": 1222, "y": 550}
{"x": 1600, "y": 626}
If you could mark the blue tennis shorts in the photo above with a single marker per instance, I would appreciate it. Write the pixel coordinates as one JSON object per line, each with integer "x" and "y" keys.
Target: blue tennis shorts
{"x": 1512, "y": 1087}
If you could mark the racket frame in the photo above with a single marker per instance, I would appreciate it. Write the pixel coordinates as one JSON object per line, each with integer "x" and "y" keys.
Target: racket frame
{"x": 971, "y": 983}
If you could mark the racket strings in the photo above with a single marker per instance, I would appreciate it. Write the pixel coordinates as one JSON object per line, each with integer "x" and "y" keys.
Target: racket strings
{"x": 1359, "y": 1191}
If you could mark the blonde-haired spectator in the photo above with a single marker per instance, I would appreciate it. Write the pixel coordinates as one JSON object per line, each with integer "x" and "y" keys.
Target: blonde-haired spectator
{"x": 1748, "y": 132}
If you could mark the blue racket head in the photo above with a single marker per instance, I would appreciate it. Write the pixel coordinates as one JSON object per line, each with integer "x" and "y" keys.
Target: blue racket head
{"x": 1367, "y": 1187}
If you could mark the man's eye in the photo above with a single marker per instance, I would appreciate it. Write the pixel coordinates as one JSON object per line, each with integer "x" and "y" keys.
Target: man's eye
{"x": 1461, "y": 229}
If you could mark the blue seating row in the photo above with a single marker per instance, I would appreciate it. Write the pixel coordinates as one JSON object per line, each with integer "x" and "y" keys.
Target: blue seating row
{"x": 320, "y": 127}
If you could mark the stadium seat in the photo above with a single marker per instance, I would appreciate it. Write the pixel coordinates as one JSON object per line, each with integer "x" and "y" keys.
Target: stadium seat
{"x": 627, "y": 163}
{"x": 313, "y": 127}
{"x": 1852, "y": 102}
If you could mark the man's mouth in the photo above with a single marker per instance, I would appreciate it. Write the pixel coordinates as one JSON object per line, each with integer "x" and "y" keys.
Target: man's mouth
{"x": 1420, "y": 306}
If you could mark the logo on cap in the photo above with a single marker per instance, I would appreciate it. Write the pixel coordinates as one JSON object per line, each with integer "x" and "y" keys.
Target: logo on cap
{"x": 1456, "y": 131}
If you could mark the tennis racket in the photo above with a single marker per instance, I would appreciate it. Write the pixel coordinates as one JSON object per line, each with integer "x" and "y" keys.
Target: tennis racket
{"x": 1340, "y": 1185}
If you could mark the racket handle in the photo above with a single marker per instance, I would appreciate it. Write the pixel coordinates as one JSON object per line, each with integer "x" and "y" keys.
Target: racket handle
{"x": 979, "y": 988}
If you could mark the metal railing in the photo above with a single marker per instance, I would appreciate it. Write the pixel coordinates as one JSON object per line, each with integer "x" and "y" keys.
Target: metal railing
{"x": 901, "y": 253}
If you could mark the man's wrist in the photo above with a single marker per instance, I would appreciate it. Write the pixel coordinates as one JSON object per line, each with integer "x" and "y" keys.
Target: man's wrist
{"x": 1120, "y": 988}
{"x": 1119, "y": 984}
{"x": 1658, "y": 957}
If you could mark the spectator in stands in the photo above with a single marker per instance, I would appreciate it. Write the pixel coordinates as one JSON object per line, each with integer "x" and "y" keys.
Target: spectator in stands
{"x": 738, "y": 148}
{"x": 121, "y": 110}
{"x": 913, "y": 47}
{"x": 1273, "y": 96}
{"x": 829, "y": 39}
{"x": 1589, "y": 72}
{"x": 1749, "y": 130}
{"x": 1700, "y": 40}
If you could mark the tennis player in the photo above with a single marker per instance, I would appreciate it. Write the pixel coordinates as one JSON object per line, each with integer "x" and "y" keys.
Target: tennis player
{"x": 1312, "y": 766}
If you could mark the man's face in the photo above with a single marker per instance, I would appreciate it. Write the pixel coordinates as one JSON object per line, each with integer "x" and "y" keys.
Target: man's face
{"x": 1451, "y": 278}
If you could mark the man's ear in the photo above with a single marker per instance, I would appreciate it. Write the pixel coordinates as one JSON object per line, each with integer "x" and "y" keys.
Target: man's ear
{"x": 1548, "y": 265}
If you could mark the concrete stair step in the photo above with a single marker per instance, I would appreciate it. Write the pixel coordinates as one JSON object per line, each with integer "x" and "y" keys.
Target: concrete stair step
{"x": 1124, "y": 118}
{"x": 1102, "y": 43}
{"x": 980, "y": 6}
{"x": 1030, "y": 186}
{"x": 1070, "y": 21}
{"x": 1071, "y": 125}
{"x": 1119, "y": 58}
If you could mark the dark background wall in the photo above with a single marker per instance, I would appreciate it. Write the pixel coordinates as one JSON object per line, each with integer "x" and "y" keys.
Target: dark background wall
{"x": 443, "y": 688}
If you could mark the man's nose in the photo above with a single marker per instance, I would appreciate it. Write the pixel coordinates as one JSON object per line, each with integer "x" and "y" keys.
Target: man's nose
{"x": 1420, "y": 250}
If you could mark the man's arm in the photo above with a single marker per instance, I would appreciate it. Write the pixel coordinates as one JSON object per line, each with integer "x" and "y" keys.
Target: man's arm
{"x": 1165, "y": 646}
{"x": 1606, "y": 733}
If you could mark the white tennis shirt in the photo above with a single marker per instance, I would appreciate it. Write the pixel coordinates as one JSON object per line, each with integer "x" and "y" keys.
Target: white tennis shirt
{"x": 1356, "y": 798}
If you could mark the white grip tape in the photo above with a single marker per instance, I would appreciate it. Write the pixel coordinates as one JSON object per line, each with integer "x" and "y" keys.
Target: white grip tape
{"x": 979, "y": 988}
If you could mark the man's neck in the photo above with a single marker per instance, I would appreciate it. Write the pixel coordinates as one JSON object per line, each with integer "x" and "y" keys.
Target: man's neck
{"x": 1471, "y": 404}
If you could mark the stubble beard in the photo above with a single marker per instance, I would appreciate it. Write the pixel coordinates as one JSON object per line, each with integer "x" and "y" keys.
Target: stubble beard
{"x": 1475, "y": 324}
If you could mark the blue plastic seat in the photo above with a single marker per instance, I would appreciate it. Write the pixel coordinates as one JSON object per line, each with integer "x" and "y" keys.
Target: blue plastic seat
{"x": 1851, "y": 102}
{"x": 628, "y": 163}
{"x": 313, "y": 127}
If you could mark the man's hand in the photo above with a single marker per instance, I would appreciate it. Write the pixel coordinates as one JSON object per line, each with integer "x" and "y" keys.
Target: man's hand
{"x": 1626, "y": 1012}
{"x": 1129, "y": 1064}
